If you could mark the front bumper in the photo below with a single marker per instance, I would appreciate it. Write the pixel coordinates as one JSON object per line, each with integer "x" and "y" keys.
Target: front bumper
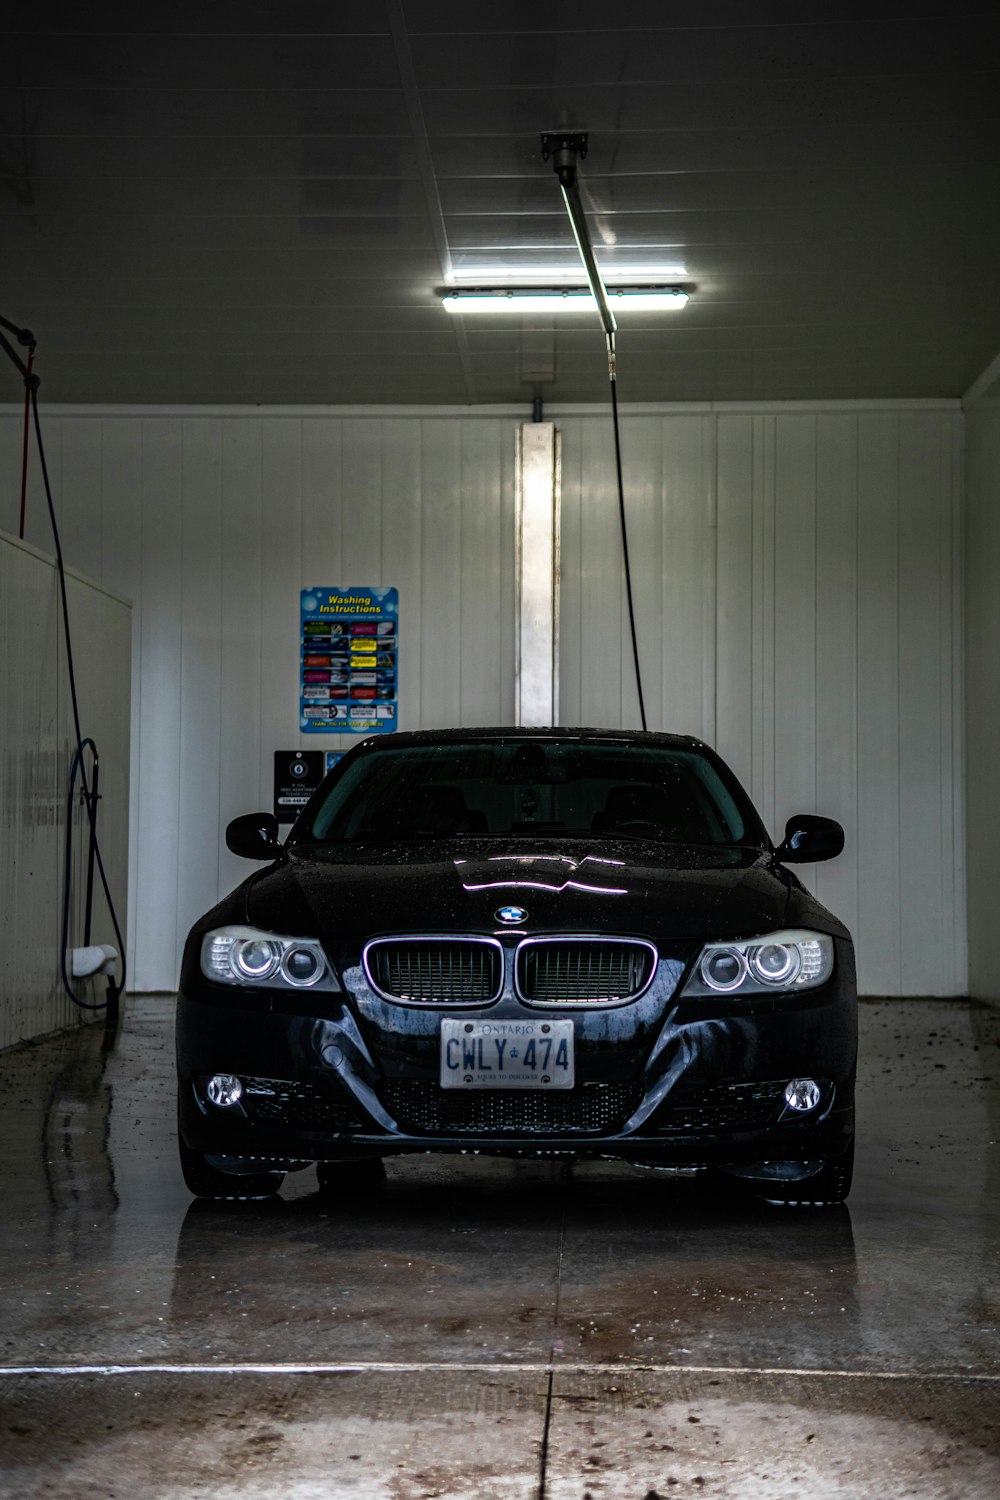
{"x": 659, "y": 1083}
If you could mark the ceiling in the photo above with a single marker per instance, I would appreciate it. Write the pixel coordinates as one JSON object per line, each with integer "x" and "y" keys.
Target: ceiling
{"x": 246, "y": 201}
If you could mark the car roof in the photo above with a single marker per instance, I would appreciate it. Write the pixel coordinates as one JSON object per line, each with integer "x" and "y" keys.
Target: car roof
{"x": 560, "y": 734}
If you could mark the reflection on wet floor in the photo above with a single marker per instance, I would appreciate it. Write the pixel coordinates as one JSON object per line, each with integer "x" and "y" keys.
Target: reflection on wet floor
{"x": 571, "y": 1287}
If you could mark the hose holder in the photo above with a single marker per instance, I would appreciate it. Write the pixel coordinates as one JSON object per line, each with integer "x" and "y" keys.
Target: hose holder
{"x": 566, "y": 147}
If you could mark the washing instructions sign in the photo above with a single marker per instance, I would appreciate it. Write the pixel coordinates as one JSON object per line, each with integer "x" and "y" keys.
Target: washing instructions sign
{"x": 349, "y": 655}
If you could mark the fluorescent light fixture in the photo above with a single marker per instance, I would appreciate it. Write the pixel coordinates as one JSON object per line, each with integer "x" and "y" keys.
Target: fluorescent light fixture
{"x": 547, "y": 299}
{"x": 499, "y": 275}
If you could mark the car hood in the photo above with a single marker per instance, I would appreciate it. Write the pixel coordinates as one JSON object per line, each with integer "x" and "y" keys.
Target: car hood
{"x": 347, "y": 892}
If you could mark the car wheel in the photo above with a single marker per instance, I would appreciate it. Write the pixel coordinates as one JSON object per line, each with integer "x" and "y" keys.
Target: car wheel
{"x": 206, "y": 1180}
{"x": 344, "y": 1177}
{"x": 826, "y": 1189}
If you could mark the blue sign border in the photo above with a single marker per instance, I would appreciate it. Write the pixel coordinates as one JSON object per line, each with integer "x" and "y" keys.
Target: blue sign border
{"x": 349, "y": 661}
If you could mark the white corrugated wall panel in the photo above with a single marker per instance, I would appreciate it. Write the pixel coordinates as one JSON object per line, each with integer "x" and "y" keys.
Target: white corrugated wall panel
{"x": 200, "y": 619}
{"x": 38, "y": 740}
{"x": 402, "y": 552}
{"x": 120, "y": 569}
{"x": 926, "y": 909}
{"x": 242, "y": 550}
{"x": 982, "y": 626}
{"x": 101, "y": 624}
{"x": 837, "y": 668}
{"x": 214, "y": 523}
{"x": 485, "y": 664}
{"x": 158, "y": 598}
{"x": 796, "y": 576}
{"x": 734, "y": 593}
{"x": 440, "y": 583}
{"x": 802, "y": 563}
{"x": 32, "y": 797}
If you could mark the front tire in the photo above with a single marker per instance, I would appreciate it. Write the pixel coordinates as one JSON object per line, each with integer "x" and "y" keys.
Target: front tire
{"x": 207, "y": 1181}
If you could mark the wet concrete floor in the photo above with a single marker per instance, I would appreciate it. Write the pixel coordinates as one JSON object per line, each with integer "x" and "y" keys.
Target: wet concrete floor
{"x": 486, "y": 1328}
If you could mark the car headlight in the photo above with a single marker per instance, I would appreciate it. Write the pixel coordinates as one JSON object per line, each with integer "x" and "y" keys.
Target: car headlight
{"x": 793, "y": 960}
{"x": 244, "y": 955}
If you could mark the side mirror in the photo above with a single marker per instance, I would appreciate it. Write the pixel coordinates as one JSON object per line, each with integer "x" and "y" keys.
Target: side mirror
{"x": 253, "y": 836}
{"x": 808, "y": 839}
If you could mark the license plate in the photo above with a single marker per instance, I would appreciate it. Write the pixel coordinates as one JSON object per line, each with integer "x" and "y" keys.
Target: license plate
{"x": 506, "y": 1054}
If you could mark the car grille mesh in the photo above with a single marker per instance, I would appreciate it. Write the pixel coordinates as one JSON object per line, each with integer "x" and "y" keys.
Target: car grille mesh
{"x": 733, "y": 1106}
{"x": 426, "y": 1108}
{"x": 582, "y": 973}
{"x": 301, "y": 1106}
{"x": 436, "y": 973}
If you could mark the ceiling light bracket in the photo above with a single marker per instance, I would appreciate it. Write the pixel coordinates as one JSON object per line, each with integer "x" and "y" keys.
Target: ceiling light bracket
{"x": 565, "y": 146}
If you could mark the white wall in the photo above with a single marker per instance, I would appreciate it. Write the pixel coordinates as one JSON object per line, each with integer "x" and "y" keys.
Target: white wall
{"x": 797, "y": 579}
{"x": 983, "y": 685}
{"x": 38, "y": 741}
{"x": 213, "y": 524}
{"x": 797, "y": 586}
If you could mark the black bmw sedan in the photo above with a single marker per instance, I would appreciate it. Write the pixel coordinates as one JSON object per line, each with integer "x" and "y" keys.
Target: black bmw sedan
{"x": 560, "y": 943}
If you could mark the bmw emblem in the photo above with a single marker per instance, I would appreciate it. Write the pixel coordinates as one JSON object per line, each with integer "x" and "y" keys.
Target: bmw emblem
{"x": 511, "y": 914}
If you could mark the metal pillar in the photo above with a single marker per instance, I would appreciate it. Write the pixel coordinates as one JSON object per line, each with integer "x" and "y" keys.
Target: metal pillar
{"x": 537, "y": 498}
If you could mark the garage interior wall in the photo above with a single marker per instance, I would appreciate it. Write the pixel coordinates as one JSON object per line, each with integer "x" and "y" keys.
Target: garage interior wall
{"x": 983, "y": 685}
{"x": 797, "y": 571}
{"x": 37, "y": 745}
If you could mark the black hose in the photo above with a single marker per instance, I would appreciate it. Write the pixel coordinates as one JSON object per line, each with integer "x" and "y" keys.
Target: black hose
{"x": 565, "y": 147}
{"x": 77, "y": 765}
{"x": 612, "y": 380}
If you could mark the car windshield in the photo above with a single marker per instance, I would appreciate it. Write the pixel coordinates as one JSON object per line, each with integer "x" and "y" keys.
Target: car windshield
{"x": 510, "y": 787}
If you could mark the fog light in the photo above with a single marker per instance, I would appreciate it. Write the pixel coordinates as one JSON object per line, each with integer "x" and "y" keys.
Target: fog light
{"x": 803, "y": 1094}
{"x": 224, "y": 1089}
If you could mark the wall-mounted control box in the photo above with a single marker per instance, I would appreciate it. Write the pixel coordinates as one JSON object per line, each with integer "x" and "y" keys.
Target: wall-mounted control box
{"x": 297, "y": 774}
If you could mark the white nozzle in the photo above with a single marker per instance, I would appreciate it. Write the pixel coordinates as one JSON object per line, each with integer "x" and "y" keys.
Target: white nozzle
{"x": 100, "y": 958}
